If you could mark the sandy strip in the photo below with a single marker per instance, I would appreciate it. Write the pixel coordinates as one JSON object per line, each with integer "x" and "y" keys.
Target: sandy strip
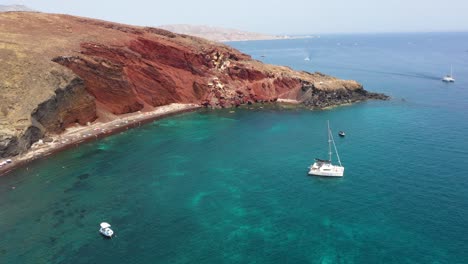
{"x": 288, "y": 101}
{"x": 79, "y": 134}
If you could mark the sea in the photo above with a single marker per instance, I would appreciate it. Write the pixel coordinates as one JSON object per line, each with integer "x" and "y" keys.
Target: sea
{"x": 231, "y": 185}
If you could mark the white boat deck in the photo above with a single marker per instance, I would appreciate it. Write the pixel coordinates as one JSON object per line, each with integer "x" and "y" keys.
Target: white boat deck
{"x": 326, "y": 169}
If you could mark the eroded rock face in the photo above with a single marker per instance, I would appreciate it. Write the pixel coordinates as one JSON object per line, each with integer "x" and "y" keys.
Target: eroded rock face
{"x": 59, "y": 70}
{"x": 69, "y": 105}
{"x": 11, "y": 145}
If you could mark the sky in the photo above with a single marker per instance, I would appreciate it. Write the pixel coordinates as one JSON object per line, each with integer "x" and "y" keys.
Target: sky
{"x": 274, "y": 16}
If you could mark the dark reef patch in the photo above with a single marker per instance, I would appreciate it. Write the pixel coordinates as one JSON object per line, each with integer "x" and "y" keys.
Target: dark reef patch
{"x": 84, "y": 176}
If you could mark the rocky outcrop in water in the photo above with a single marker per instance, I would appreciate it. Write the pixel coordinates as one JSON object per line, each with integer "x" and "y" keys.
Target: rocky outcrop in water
{"x": 59, "y": 70}
{"x": 328, "y": 93}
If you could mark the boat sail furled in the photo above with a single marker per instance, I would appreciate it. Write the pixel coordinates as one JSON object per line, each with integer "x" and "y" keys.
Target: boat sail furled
{"x": 325, "y": 167}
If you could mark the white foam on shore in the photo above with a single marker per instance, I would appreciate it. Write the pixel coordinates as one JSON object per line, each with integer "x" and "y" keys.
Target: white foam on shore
{"x": 288, "y": 101}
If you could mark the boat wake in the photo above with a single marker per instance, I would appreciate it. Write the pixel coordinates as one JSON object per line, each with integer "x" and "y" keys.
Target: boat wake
{"x": 407, "y": 74}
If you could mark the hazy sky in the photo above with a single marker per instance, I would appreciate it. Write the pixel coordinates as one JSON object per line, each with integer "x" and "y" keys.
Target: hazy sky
{"x": 274, "y": 16}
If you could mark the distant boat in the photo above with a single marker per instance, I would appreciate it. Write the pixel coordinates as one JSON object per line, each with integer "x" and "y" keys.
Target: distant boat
{"x": 325, "y": 167}
{"x": 449, "y": 77}
{"x": 307, "y": 58}
{"x": 341, "y": 134}
{"x": 5, "y": 162}
{"x": 105, "y": 230}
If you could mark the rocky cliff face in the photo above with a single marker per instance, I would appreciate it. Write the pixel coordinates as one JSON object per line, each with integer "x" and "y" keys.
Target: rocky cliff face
{"x": 59, "y": 70}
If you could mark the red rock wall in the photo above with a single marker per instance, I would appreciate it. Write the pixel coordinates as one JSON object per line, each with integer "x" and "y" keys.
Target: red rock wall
{"x": 121, "y": 69}
{"x": 146, "y": 72}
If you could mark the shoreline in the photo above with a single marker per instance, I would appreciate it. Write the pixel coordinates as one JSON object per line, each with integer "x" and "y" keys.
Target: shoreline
{"x": 76, "y": 135}
{"x": 288, "y": 101}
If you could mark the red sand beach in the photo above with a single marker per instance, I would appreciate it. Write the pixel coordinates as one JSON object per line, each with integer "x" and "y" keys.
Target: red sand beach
{"x": 79, "y": 134}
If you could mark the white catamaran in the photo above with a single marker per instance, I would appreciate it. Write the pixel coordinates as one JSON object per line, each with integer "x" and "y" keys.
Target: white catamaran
{"x": 449, "y": 77}
{"x": 325, "y": 167}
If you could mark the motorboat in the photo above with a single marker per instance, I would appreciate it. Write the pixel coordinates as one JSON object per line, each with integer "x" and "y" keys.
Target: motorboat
{"x": 105, "y": 230}
{"x": 341, "y": 134}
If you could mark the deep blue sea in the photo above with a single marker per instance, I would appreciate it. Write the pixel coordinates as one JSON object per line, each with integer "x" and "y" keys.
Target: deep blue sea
{"x": 218, "y": 187}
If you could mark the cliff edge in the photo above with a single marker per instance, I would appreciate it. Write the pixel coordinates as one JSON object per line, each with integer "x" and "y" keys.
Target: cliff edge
{"x": 58, "y": 70}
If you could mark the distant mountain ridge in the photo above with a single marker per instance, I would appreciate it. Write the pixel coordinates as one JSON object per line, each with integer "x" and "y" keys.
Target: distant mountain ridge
{"x": 217, "y": 33}
{"x": 8, "y": 8}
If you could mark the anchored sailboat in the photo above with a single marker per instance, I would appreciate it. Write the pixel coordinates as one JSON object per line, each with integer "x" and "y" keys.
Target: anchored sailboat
{"x": 325, "y": 167}
{"x": 449, "y": 77}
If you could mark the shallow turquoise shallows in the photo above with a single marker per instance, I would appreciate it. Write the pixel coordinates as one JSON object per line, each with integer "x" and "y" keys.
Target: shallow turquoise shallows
{"x": 221, "y": 187}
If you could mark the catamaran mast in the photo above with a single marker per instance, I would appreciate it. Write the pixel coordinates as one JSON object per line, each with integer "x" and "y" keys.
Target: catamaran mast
{"x": 330, "y": 140}
{"x": 336, "y": 150}
{"x": 329, "y": 143}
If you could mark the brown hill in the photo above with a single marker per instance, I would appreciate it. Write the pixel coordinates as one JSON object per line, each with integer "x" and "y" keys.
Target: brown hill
{"x": 58, "y": 70}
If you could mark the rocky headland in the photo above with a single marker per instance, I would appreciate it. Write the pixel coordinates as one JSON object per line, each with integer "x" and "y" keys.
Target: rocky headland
{"x": 60, "y": 70}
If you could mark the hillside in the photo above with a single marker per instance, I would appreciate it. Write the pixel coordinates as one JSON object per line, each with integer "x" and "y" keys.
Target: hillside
{"x": 58, "y": 70}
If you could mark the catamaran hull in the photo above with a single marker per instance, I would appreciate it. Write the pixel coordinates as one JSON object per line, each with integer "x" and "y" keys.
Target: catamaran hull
{"x": 334, "y": 172}
{"x": 326, "y": 174}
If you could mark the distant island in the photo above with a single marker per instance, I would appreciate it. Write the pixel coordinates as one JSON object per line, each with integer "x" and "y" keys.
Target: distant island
{"x": 9, "y": 8}
{"x": 219, "y": 34}
{"x": 207, "y": 32}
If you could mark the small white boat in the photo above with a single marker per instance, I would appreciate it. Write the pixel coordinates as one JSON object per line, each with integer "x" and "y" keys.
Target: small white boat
{"x": 325, "y": 167}
{"x": 307, "y": 58}
{"x": 449, "y": 77}
{"x": 105, "y": 230}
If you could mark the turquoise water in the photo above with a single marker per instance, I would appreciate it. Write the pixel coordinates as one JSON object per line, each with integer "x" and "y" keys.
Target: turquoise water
{"x": 221, "y": 187}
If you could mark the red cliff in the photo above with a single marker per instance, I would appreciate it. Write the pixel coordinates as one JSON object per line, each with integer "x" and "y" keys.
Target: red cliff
{"x": 58, "y": 70}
